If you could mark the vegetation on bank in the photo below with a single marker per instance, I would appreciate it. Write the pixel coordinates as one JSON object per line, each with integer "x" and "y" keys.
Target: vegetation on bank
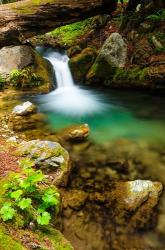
{"x": 27, "y": 195}
{"x": 69, "y": 33}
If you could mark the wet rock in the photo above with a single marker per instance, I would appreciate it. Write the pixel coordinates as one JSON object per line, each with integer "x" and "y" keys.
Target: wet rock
{"x": 139, "y": 191}
{"x": 73, "y": 50}
{"x": 23, "y": 123}
{"x": 25, "y": 109}
{"x": 48, "y": 155}
{"x": 76, "y": 133}
{"x": 74, "y": 199}
{"x": 136, "y": 203}
{"x": 81, "y": 63}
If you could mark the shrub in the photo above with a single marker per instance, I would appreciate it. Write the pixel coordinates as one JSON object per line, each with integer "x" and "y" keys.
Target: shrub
{"x": 29, "y": 195}
{"x": 158, "y": 16}
{"x": 24, "y": 78}
{"x": 15, "y": 77}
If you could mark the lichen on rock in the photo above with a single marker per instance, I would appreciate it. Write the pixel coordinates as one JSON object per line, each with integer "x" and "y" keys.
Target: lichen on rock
{"x": 49, "y": 156}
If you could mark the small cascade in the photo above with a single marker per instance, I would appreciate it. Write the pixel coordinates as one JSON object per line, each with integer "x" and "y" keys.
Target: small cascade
{"x": 68, "y": 98}
{"x": 59, "y": 62}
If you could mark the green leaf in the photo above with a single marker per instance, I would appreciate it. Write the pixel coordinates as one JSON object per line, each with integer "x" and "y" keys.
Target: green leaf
{"x": 7, "y": 212}
{"x": 24, "y": 184}
{"x": 50, "y": 199}
{"x": 42, "y": 208}
{"x": 38, "y": 176}
{"x": 25, "y": 203}
{"x": 16, "y": 194}
{"x": 44, "y": 218}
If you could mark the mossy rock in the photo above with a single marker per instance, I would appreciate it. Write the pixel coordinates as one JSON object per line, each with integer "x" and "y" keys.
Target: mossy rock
{"x": 26, "y": 70}
{"x": 56, "y": 238}
{"x": 81, "y": 63}
{"x": 100, "y": 70}
{"x": 8, "y": 243}
{"x": 130, "y": 77}
{"x": 49, "y": 156}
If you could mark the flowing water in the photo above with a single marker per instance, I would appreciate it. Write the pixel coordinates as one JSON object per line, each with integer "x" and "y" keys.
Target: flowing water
{"x": 110, "y": 115}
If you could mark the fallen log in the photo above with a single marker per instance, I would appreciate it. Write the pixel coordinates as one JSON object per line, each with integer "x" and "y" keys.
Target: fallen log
{"x": 27, "y": 18}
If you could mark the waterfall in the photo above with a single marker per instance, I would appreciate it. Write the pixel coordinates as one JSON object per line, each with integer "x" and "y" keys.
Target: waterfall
{"x": 68, "y": 98}
{"x": 61, "y": 67}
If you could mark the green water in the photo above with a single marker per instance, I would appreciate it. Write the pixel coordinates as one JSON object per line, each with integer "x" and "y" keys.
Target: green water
{"x": 129, "y": 114}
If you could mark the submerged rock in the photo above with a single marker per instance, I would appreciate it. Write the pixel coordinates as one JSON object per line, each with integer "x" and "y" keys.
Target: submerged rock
{"x": 48, "y": 155}
{"x": 139, "y": 191}
{"x": 25, "y": 109}
{"x": 77, "y": 133}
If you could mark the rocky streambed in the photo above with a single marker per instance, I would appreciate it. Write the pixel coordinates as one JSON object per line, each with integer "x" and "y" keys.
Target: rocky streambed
{"x": 111, "y": 194}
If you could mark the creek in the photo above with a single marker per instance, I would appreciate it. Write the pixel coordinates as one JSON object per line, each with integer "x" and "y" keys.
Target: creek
{"x": 111, "y": 114}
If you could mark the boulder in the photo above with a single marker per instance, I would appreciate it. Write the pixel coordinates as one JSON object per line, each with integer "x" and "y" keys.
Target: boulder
{"x": 15, "y": 57}
{"x": 23, "y": 67}
{"x": 25, "y": 109}
{"x": 20, "y": 123}
{"x": 138, "y": 199}
{"x": 49, "y": 156}
{"x": 81, "y": 63}
{"x": 25, "y": 117}
{"x": 139, "y": 191}
{"x": 74, "y": 50}
{"x": 114, "y": 51}
{"x": 77, "y": 133}
{"x": 112, "y": 55}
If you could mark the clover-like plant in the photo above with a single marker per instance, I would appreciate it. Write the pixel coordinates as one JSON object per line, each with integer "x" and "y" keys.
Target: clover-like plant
{"x": 29, "y": 195}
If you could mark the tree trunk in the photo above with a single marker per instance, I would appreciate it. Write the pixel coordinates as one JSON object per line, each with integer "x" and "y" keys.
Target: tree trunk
{"x": 24, "y": 19}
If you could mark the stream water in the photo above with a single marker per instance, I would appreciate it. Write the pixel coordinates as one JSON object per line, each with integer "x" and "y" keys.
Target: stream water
{"x": 110, "y": 115}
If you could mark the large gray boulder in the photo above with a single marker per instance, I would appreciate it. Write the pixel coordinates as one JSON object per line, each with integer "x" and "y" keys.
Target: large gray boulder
{"x": 34, "y": 72}
{"x": 15, "y": 57}
{"x": 114, "y": 51}
{"x": 113, "y": 55}
{"x": 49, "y": 156}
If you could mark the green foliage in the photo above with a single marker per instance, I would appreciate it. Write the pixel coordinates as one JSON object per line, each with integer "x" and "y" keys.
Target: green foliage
{"x": 43, "y": 218}
{"x": 24, "y": 78}
{"x": 2, "y": 81}
{"x": 68, "y": 33}
{"x": 28, "y": 192}
{"x": 161, "y": 38}
{"x": 7, "y": 212}
{"x": 158, "y": 16}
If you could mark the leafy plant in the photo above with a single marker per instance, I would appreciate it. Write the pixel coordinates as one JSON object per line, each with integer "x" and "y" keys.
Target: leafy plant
{"x": 158, "y": 16}
{"x": 29, "y": 195}
{"x": 15, "y": 77}
{"x": 24, "y": 78}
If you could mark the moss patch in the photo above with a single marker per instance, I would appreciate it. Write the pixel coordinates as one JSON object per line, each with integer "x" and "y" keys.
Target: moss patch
{"x": 69, "y": 33}
{"x": 7, "y": 243}
{"x": 81, "y": 63}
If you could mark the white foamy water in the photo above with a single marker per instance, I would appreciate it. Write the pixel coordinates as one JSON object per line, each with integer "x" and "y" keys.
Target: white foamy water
{"x": 68, "y": 98}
